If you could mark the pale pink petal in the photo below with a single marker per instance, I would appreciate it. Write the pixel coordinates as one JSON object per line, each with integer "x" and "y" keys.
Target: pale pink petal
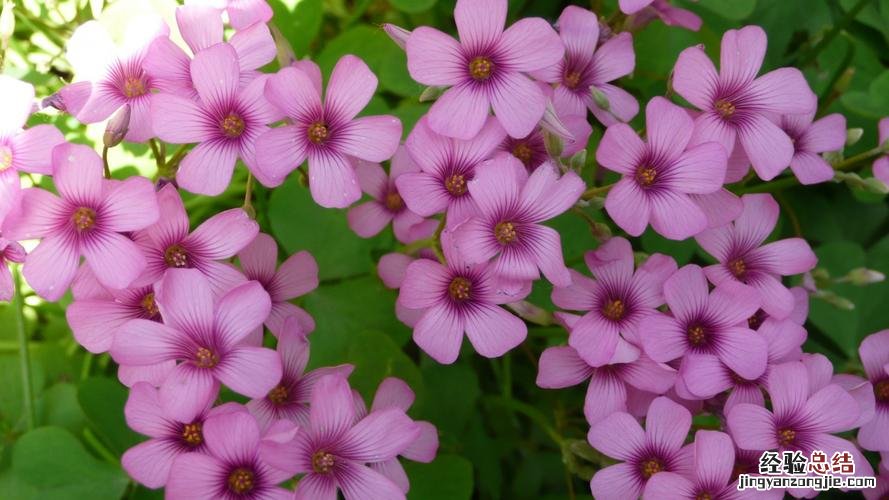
{"x": 825, "y": 134}
{"x": 676, "y": 216}
{"x": 670, "y": 485}
{"x": 279, "y": 151}
{"x": 594, "y": 338}
{"x": 518, "y": 104}
{"x": 32, "y": 149}
{"x": 298, "y": 275}
{"x": 368, "y": 219}
{"x": 832, "y": 409}
{"x": 115, "y": 260}
{"x": 200, "y": 26}
{"x": 686, "y": 291}
{"x": 479, "y": 22}
{"x": 605, "y": 395}
{"x": 663, "y": 339}
{"x": 786, "y": 257}
{"x": 668, "y": 129}
{"x": 422, "y": 285}
{"x": 254, "y": 45}
{"x": 493, "y": 331}
{"x": 332, "y": 408}
{"x": 223, "y": 235}
{"x": 350, "y": 88}
{"x": 733, "y": 302}
{"x": 776, "y": 299}
{"x": 423, "y": 194}
{"x": 648, "y": 375}
{"x": 628, "y": 206}
{"x": 695, "y": 77}
{"x": 700, "y": 169}
{"x": 143, "y": 342}
{"x": 207, "y": 169}
{"x": 149, "y": 462}
{"x": 18, "y": 99}
{"x": 619, "y": 436}
{"x": 315, "y": 487}
{"x": 93, "y": 322}
{"x": 292, "y": 91}
{"x": 143, "y": 412}
{"x": 530, "y": 44}
{"x": 744, "y": 352}
{"x": 462, "y": 110}
{"x": 758, "y": 219}
{"x": 244, "y": 13}
{"x": 741, "y": 54}
{"x": 393, "y": 393}
{"x": 371, "y": 138}
{"x": 169, "y": 68}
{"x": 259, "y": 259}
{"x": 359, "y": 482}
{"x": 380, "y": 436}
{"x": 216, "y": 74}
{"x": 620, "y": 150}
{"x": 241, "y": 311}
{"x": 721, "y": 207}
{"x": 561, "y": 367}
{"x": 783, "y": 91}
{"x": 622, "y": 106}
{"x": 768, "y": 147}
{"x": 614, "y": 59}
{"x": 667, "y": 423}
{"x": 788, "y": 387}
{"x": 51, "y": 266}
{"x": 579, "y": 29}
{"x": 195, "y": 476}
{"x": 616, "y": 482}
{"x": 77, "y": 173}
{"x": 130, "y": 205}
{"x": 425, "y": 447}
{"x": 632, "y": 7}
{"x": 547, "y": 195}
{"x": 874, "y": 353}
{"x": 810, "y": 168}
{"x": 332, "y": 179}
{"x": 434, "y": 58}
{"x": 704, "y": 375}
{"x": 231, "y": 436}
{"x": 439, "y": 332}
{"x": 187, "y": 392}
{"x": 179, "y": 120}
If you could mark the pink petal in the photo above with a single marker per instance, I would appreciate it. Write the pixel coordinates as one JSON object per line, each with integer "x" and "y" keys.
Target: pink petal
{"x": 695, "y": 77}
{"x": 195, "y": 476}
{"x": 783, "y": 91}
{"x": 700, "y": 169}
{"x": 216, "y": 74}
{"x": 439, "y": 333}
{"x": 394, "y": 472}
{"x": 686, "y": 291}
{"x": 373, "y": 179}
{"x": 744, "y": 352}
{"x": 393, "y": 393}
{"x": 826, "y": 134}
{"x": 359, "y": 482}
{"x": 614, "y": 59}
{"x": 18, "y": 98}
{"x": 633, "y": 6}
{"x": 169, "y": 67}
{"x": 667, "y": 424}
{"x": 186, "y": 300}
{"x": 150, "y": 462}
{"x": 648, "y": 375}
{"x": 561, "y": 367}
{"x": 332, "y": 179}
{"x": 51, "y": 266}
{"x": 244, "y": 13}
{"x": 618, "y": 436}
{"x": 518, "y": 104}
{"x": 179, "y": 120}
{"x": 493, "y": 331}
{"x": 704, "y": 375}
{"x": 741, "y": 54}
{"x": 371, "y": 138}
{"x": 671, "y": 485}
{"x": 93, "y": 322}
{"x": 315, "y": 487}
{"x": 605, "y": 395}
{"x": 32, "y": 149}
{"x": 297, "y": 276}
{"x": 579, "y": 29}
{"x": 115, "y": 259}
{"x": 207, "y": 169}
{"x": 155, "y": 374}
{"x": 143, "y": 412}
{"x": 786, "y": 257}
{"x": 676, "y": 216}
{"x": 530, "y": 44}
{"x": 130, "y": 205}
{"x": 368, "y": 219}
{"x": 788, "y": 387}
{"x": 832, "y": 409}
{"x": 10, "y": 193}
{"x": 199, "y": 26}
{"x": 768, "y": 147}
{"x": 292, "y": 91}
{"x": 77, "y": 172}
{"x": 232, "y": 436}
{"x": 628, "y": 206}
{"x": 594, "y": 338}
{"x": 622, "y": 106}
{"x": 350, "y": 88}
{"x": 479, "y": 22}
{"x": 241, "y": 311}
{"x": 874, "y": 353}
{"x": 579, "y": 296}
{"x": 776, "y": 299}
{"x": 810, "y": 168}
{"x": 254, "y": 45}
{"x": 223, "y": 235}
{"x": 380, "y": 436}
{"x": 721, "y": 207}
{"x": 279, "y": 151}
{"x": 758, "y": 218}
{"x": 710, "y": 127}
{"x": 547, "y": 195}
{"x": 425, "y": 447}
{"x": 421, "y": 287}
{"x": 332, "y": 408}
{"x": 668, "y": 128}
{"x": 422, "y": 193}
{"x": 732, "y": 303}
{"x": 663, "y": 340}
{"x": 144, "y": 342}
{"x": 259, "y": 259}
{"x": 434, "y": 58}
{"x": 462, "y": 110}
{"x": 620, "y": 150}
{"x": 392, "y": 268}
{"x": 187, "y": 392}
{"x": 616, "y": 481}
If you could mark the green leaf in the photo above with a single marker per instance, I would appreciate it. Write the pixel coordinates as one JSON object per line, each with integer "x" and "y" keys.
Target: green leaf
{"x": 682, "y": 251}
{"x": 376, "y": 357}
{"x": 56, "y": 466}
{"x": 58, "y": 406}
{"x": 735, "y": 10}
{"x": 456, "y": 390}
{"x": 839, "y": 257}
{"x": 412, "y": 6}
{"x": 299, "y": 22}
{"x": 448, "y": 477}
{"x": 103, "y": 400}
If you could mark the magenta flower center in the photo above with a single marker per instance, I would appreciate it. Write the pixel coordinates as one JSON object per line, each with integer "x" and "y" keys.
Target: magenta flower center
{"x": 481, "y": 68}
{"x": 724, "y": 108}
{"x": 704, "y": 496}
{"x": 5, "y": 158}
{"x": 456, "y": 184}
{"x": 318, "y": 133}
{"x": 572, "y": 79}
{"x": 523, "y": 152}
{"x": 650, "y": 467}
{"x": 84, "y": 218}
{"x": 881, "y": 391}
{"x": 646, "y": 175}
{"x": 279, "y": 395}
{"x": 460, "y": 289}
{"x": 134, "y": 87}
{"x": 696, "y": 335}
{"x": 232, "y": 126}
{"x": 786, "y": 437}
{"x": 205, "y": 358}
{"x": 149, "y": 306}
{"x": 393, "y": 201}
{"x": 738, "y": 268}
{"x": 240, "y": 481}
{"x": 192, "y": 434}
{"x": 614, "y": 309}
{"x": 505, "y": 232}
{"x": 322, "y": 462}
{"x": 176, "y": 256}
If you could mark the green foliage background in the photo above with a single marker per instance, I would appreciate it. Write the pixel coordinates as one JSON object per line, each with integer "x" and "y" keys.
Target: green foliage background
{"x": 501, "y": 436}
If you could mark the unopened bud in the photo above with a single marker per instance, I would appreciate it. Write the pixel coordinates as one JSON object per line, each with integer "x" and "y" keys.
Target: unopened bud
{"x": 553, "y": 124}
{"x": 596, "y": 202}
{"x": 430, "y": 94}
{"x": 117, "y": 127}
{"x": 600, "y": 231}
{"x": 833, "y": 157}
{"x": 885, "y": 145}
{"x": 875, "y": 186}
{"x": 599, "y": 98}
{"x": 639, "y": 258}
{"x": 303, "y": 178}
{"x": 553, "y": 144}
{"x": 398, "y": 34}
{"x": 582, "y": 449}
{"x": 853, "y": 135}
{"x": 861, "y": 276}
{"x": 843, "y": 82}
{"x": 578, "y": 161}
{"x": 836, "y": 300}
{"x": 7, "y": 22}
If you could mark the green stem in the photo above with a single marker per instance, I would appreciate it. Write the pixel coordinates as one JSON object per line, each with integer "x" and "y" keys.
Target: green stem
{"x": 596, "y": 191}
{"x": 810, "y": 55}
{"x": 100, "y": 448}
{"x": 105, "y": 162}
{"x": 24, "y": 353}
{"x": 248, "y": 197}
{"x": 532, "y": 413}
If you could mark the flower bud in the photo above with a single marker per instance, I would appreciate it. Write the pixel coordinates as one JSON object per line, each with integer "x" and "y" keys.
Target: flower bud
{"x": 578, "y": 161}
{"x": 430, "y": 94}
{"x": 835, "y": 300}
{"x": 861, "y": 276}
{"x": 553, "y": 124}
{"x": 7, "y": 22}
{"x": 875, "y": 186}
{"x": 853, "y": 135}
{"x": 600, "y": 231}
{"x": 553, "y": 143}
{"x": 117, "y": 127}
{"x": 398, "y": 34}
{"x": 599, "y": 98}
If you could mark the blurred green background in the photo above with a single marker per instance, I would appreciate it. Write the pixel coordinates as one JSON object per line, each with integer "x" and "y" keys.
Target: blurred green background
{"x": 501, "y": 436}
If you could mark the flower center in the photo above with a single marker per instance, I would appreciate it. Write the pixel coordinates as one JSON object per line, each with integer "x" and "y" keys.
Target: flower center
{"x": 704, "y": 496}
{"x": 192, "y": 434}
{"x": 134, "y": 87}
{"x": 176, "y": 256}
{"x": 786, "y": 437}
{"x": 614, "y": 309}
{"x": 755, "y": 321}
{"x": 205, "y": 358}
{"x": 523, "y": 152}
{"x": 394, "y": 202}
{"x": 737, "y": 267}
{"x": 505, "y": 232}
{"x": 881, "y": 391}
{"x": 232, "y": 126}
{"x": 84, "y": 218}
{"x": 149, "y": 306}
{"x": 651, "y": 467}
{"x": 571, "y": 79}
{"x": 240, "y": 481}
{"x": 322, "y": 462}
{"x": 456, "y": 184}
{"x": 460, "y": 289}
{"x": 724, "y": 108}
{"x": 318, "y": 133}
{"x": 5, "y": 158}
{"x": 696, "y": 335}
{"x": 481, "y": 68}
{"x": 646, "y": 175}
{"x": 279, "y": 395}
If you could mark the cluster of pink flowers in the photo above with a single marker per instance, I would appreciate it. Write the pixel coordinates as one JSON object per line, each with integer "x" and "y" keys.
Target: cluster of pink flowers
{"x": 469, "y": 193}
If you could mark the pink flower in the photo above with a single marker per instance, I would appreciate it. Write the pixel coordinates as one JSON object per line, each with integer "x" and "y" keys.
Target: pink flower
{"x": 335, "y": 449}
{"x": 585, "y": 66}
{"x": 508, "y": 225}
{"x": 703, "y": 331}
{"x": 664, "y": 178}
{"x": 669, "y": 14}
{"x": 169, "y": 245}
{"x": 21, "y": 150}
{"x": 743, "y": 258}
{"x": 230, "y": 465}
{"x": 395, "y": 393}
{"x": 149, "y": 462}
{"x": 485, "y": 69}
{"x": 10, "y": 251}
{"x": 874, "y": 353}
{"x": 87, "y": 220}
{"x": 327, "y": 133}
{"x": 609, "y": 385}
{"x": 369, "y": 218}
{"x": 739, "y": 107}
{"x": 800, "y": 420}
{"x": 289, "y": 399}
{"x": 206, "y": 336}
{"x": 642, "y": 454}
{"x": 881, "y": 165}
{"x": 809, "y": 140}
{"x": 108, "y": 77}
{"x": 531, "y": 149}
{"x": 241, "y": 13}
{"x": 201, "y": 27}
{"x": 225, "y": 121}
{"x": 714, "y": 459}
{"x": 391, "y": 269}
{"x": 447, "y": 167}
{"x": 297, "y": 276}
{"x": 459, "y": 298}
{"x": 617, "y": 300}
